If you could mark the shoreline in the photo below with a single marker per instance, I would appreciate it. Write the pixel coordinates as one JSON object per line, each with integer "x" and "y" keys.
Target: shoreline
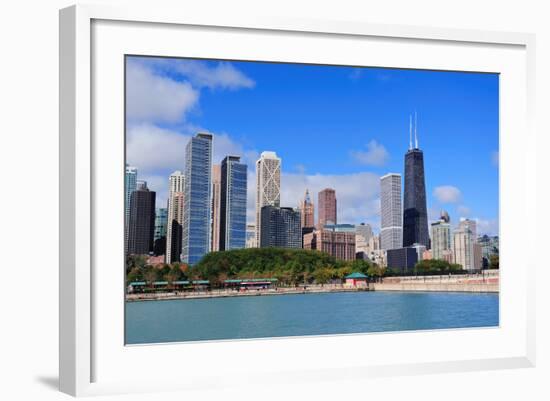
{"x": 471, "y": 288}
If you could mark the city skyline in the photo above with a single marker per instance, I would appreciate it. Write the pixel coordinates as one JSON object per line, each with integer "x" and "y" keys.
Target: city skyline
{"x": 356, "y": 180}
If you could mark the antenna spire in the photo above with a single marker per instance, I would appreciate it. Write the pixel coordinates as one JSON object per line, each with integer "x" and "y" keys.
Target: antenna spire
{"x": 415, "y": 137}
{"x": 410, "y": 132}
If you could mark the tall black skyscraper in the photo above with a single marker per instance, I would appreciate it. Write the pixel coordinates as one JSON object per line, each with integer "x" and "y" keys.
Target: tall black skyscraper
{"x": 415, "y": 215}
{"x": 141, "y": 225}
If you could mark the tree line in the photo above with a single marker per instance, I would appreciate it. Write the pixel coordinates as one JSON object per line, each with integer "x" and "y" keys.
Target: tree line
{"x": 289, "y": 266}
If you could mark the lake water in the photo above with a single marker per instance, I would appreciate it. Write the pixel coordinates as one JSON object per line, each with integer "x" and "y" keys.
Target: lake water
{"x": 306, "y": 314}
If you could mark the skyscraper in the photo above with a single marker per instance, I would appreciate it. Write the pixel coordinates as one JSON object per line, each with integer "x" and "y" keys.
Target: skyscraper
{"x": 391, "y": 227}
{"x": 470, "y": 252}
{"x": 175, "y": 217}
{"x": 232, "y": 204}
{"x": 141, "y": 224}
{"x": 159, "y": 236}
{"x": 327, "y": 207}
{"x": 197, "y": 209}
{"x": 268, "y": 186}
{"x": 307, "y": 210}
{"x": 415, "y": 215}
{"x": 280, "y": 227}
{"x": 130, "y": 180}
{"x": 463, "y": 247}
{"x": 161, "y": 220}
{"x": 363, "y": 235}
{"x": 441, "y": 238}
{"x": 216, "y": 184}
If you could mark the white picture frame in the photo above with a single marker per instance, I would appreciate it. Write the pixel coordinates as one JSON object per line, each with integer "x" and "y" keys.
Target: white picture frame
{"x": 92, "y": 362}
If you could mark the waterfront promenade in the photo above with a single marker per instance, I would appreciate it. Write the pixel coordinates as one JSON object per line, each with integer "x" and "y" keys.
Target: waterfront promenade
{"x": 488, "y": 281}
{"x": 485, "y": 282}
{"x": 308, "y": 289}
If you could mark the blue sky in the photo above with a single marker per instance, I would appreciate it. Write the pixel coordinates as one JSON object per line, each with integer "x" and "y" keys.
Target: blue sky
{"x": 332, "y": 126}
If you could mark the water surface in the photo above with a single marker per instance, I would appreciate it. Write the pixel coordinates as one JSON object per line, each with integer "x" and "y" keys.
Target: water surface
{"x": 306, "y": 314}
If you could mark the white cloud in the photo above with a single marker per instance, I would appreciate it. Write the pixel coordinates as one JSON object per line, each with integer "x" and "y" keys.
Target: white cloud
{"x": 487, "y": 226}
{"x": 220, "y": 75}
{"x": 375, "y": 155}
{"x": 447, "y": 194}
{"x": 151, "y": 148}
{"x": 358, "y": 195}
{"x": 150, "y": 97}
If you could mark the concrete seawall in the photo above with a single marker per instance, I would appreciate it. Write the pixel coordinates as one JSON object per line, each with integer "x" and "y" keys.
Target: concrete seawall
{"x": 416, "y": 286}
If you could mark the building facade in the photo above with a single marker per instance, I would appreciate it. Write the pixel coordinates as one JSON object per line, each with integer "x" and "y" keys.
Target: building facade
{"x": 391, "y": 227}
{"x": 402, "y": 259}
{"x": 216, "y": 194}
{"x": 340, "y": 244}
{"x": 463, "y": 247}
{"x": 141, "y": 225}
{"x": 441, "y": 238}
{"x": 415, "y": 214}
{"x": 232, "y": 204}
{"x": 161, "y": 221}
{"x": 307, "y": 210}
{"x": 363, "y": 235}
{"x": 251, "y": 236}
{"x": 327, "y": 207}
{"x": 130, "y": 181}
{"x": 281, "y": 227}
{"x": 197, "y": 209}
{"x": 176, "y": 183}
{"x": 268, "y": 186}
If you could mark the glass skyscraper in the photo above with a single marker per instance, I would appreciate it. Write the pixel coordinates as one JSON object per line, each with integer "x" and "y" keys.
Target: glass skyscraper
{"x": 415, "y": 214}
{"x": 130, "y": 182}
{"x": 232, "y": 204}
{"x": 197, "y": 198}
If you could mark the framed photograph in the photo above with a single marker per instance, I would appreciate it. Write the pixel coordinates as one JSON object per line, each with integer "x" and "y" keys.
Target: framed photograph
{"x": 283, "y": 198}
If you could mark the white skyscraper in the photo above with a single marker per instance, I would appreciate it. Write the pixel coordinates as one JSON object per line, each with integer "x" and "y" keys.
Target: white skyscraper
{"x": 175, "y": 216}
{"x": 474, "y": 249}
{"x": 268, "y": 185}
{"x": 463, "y": 247}
{"x": 391, "y": 232}
{"x": 441, "y": 239}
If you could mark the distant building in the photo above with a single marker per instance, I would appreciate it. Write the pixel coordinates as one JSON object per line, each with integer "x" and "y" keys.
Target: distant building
{"x": 420, "y": 249}
{"x": 232, "y": 204}
{"x": 348, "y": 228}
{"x": 176, "y": 183}
{"x": 159, "y": 236}
{"x": 363, "y": 234}
{"x": 463, "y": 247}
{"x": 391, "y": 231}
{"x": 197, "y": 209}
{"x": 268, "y": 186}
{"x": 415, "y": 214}
{"x": 216, "y": 194}
{"x": 280, "y": 227}
{"x": 307, "y": 210}
{"x": 327, "y": 208}
{"x": 130, "y": 181}
{"x": 337, "y": 243}
{"x": 441, "y": 237}
{"x": 489, "y": 247}
{"x": 141, "y": 225}
{"x": 402, "y": 259}
{"x": 161, "y": 221}
{"x": 251, "y": 236}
